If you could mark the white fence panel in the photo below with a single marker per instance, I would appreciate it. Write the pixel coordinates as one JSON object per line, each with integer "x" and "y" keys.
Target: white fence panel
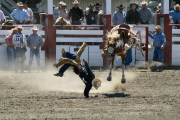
{"x": 175, "y": 31}
{"x": 95, "y": 58}
{"x": 79, "y": 32}
{"x": 176, "y": 54}
{"x": 175, "y": 39}
{"x": 76, "y": 39}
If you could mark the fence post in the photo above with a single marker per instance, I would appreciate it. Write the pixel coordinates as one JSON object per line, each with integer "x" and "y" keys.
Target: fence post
{"x": 168, "y": 33}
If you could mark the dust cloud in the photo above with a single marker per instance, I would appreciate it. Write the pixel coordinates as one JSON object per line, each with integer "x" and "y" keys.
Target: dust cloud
{"x": 70, "y": 82}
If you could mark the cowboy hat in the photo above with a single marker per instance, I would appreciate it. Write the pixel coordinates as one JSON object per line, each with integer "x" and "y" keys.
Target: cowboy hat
{"x": 20, "y": 27}
{"x": 158, "y": 27}
{"x": 96, "y": 83}
{"x": 144, "y": 2}
{"x": 20, "y": 4}
{"x": 34, "y": 28}
{"x": 159, "y": 6}
{"x": 120, "y": 6}
{"x": 91, "y": 5}
{"x": 177, "y": 5}
{"x": 97, "y": 5}
{"x": 64, "y": 4}
{"x": 131, "y": 4}
{"x": 61, "y": 2}
{"x": 75, "y": 2}
{"x": 13, "y": 29}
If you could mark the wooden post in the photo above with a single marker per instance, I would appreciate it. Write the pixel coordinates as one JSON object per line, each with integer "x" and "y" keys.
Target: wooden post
{"x": 168, "y": 33}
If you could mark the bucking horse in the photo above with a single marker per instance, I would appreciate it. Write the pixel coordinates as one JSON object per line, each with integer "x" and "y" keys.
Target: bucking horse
{"x": 118, "y": 41}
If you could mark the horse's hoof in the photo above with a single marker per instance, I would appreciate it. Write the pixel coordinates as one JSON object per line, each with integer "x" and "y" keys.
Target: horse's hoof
{"x": 123, "y": 80}
{"x": 109, "y": 78}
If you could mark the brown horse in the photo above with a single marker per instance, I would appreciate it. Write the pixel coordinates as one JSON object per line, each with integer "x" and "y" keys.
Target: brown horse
{"x": 6, "y": 27}
{"x": 62, "y": 21}
{"x": 118, "y": 41}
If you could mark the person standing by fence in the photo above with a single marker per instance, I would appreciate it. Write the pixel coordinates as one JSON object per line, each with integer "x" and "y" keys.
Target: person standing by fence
{"x": 34, "y": 42}
{"x": 19, "y": 15}
{"x": 10, "y": 48}
{"x": 20, "y": 49}
{"x": 30, "y": 12}
{"x": 76, "y": 14}
{"x": 57, "y": 10}
{"x": 119, "y": 17}
{"x": 159, "y": 43}
{"x": 175, "y": 14}
{"x": 2, "y": 17}
{"x": 145, "y": 13}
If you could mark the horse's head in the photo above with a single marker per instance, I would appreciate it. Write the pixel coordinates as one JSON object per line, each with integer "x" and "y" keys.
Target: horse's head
{"x": 60, "y": 21}
{"x": 6, "y": 27}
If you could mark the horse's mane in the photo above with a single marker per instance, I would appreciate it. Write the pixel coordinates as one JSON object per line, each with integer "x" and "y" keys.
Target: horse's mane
{"x": 113, "y": 34}
{"x": 64, "y": 20}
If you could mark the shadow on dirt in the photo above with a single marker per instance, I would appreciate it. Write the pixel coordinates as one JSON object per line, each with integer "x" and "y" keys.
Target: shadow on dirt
{"x": 116, "y": 95}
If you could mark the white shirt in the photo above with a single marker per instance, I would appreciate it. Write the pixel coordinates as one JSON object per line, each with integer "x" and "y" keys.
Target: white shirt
{"x": 17, "y": 38}
{"x": 2, "y": 16}
{"x": 30, "y": 12}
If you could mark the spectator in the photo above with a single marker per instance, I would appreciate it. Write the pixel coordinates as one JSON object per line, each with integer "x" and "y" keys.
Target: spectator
{"x": 91, "y": 15}
{"x": 10, "y": 48}
{"x": 63, "y": 13}
{"x": 145, "y": 13}
{"x": 30, "y": 12}
{"x": 2, "y": 17}
{"x": 119, "y": 17}
{"x": 56, "y": 11}
{"x": 76, "y": 14}
{"x": 132, "y": 14}
{"x": 97, "y": 5}
{"x": 175, "y": 14}
{"x": 159, "y": 43}
{"x": 53, "y": 8}
{"x": 20, "y": 49}
{"x": 19, "y": 15}
{"x": 158, "y": 8}
{"x": 34, "y": 42}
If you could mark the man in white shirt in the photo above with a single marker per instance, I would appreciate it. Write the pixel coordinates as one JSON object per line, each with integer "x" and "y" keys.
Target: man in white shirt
{"x": 30, "y": 12}
{"x": 20, "y": 44}
{"x": 2, "y": 17}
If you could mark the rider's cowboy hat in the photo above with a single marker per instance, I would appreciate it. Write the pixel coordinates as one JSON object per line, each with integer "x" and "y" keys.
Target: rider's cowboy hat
{"x": 159, "y": 6}
{"x": 131, "y": 4}
{"x": 158, "y": 27}
{"x": 177, "y": 5}
{"x": 61, "y": 2}
{"x": 20, "y": 4}
{"x": 96, "y": 83}
{"x": 144, "y": 2}
{"x": 75, "y": 2}
{"x": 97, "y": 5}
{"x": 13, "y": 29}
{"x": 120, "y": 6}
{"x": 20, "y": 27}
{"x": 34, "y": 28}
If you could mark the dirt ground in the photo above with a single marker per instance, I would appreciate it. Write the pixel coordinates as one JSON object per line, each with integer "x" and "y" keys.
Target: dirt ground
{"x": 146, "y": 96}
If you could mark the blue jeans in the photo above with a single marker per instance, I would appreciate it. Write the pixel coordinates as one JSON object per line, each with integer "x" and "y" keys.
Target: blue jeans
{"x": 27, "y": 22}
{"x": 158, "y": 56}
{"x": 20, "y": 59}
{"x": 10, "y": 58}
{"x": 128, "y": 57}
{"x": 35, "y": 52}
{"x": 66, "y": 66}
